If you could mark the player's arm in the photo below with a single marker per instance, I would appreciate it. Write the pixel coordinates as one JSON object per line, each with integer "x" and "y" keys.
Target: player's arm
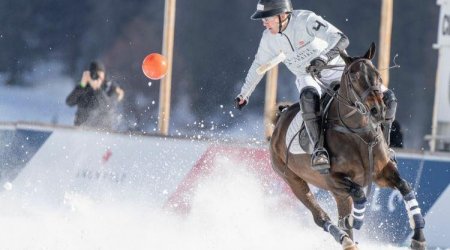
{"x": 319, "y": 27}
{"x": 79, "y": 91}
{"x": 120, "y": 93}
{"x": 263, "y": 56}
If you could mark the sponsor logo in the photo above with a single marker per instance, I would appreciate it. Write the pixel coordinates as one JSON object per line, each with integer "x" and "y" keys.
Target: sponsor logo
{"x": 100, "y": 175}
{"x": 301, "y": 43}
{"x": 103, "y": 173}
{"x": 106, "y": 156}
{"x": 259, "y": 7}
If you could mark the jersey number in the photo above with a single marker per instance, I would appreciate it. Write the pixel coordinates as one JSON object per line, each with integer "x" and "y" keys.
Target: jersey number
{"x": 319, "y": 24}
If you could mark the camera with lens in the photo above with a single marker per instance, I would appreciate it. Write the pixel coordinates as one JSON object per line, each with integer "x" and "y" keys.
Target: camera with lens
{"x": 94, "y": 74}
{"x": 94, "y": 68}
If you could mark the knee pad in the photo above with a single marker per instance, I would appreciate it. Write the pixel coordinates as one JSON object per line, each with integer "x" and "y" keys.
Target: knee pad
{"x": 309, "y": 100}
{"x": 309, "y": 93}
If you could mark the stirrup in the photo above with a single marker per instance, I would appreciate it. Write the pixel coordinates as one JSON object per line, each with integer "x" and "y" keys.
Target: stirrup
{"x": 323, "y": 165}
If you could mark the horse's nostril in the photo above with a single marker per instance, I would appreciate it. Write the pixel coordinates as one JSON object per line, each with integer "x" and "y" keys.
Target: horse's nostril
{"x": 374, "y": 111}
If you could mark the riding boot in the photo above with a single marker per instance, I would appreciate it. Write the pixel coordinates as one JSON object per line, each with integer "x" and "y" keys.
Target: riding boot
{"x": 310, "y": 110}
{"x": 387, "y": 126}
{"x": 390, "y": 101}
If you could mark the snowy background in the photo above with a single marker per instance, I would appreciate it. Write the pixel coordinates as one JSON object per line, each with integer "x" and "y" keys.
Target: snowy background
{"x": 47, "y": 46}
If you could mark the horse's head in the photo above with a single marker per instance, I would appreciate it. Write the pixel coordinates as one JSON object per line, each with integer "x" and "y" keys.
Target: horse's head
{"x": 361, "y": 83}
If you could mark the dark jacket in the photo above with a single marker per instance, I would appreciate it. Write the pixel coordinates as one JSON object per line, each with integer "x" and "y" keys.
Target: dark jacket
{"x": 396, "y": 135}
{"x": 96, "y": 108}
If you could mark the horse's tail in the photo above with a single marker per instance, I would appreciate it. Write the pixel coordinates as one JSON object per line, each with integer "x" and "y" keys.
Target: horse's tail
{"x": 280, "y": 108}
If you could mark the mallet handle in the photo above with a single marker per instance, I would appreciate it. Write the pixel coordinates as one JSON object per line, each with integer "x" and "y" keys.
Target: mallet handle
{"x": 270, "y": 64}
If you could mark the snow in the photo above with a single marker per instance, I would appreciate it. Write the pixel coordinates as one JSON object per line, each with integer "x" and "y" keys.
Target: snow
{"x": 42, "y": 102}
{"x": 229, "y": 211}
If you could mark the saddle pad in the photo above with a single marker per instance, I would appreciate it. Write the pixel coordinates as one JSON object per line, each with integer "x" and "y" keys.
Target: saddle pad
{"x": 292, "y": 132}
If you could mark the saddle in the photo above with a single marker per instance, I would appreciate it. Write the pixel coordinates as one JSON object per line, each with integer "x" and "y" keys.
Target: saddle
{"x": 297, "y": 139}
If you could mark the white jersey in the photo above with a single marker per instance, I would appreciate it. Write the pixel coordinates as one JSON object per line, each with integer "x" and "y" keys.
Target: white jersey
{"x": 306, "y": 37}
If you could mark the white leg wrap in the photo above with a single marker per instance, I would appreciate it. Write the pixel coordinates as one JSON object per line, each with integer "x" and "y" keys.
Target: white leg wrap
{"x": 416, "y": 220}
{"x": 411, "y": 203}
{"x": 359, "y": 217}
{"x": 358, "y": 210}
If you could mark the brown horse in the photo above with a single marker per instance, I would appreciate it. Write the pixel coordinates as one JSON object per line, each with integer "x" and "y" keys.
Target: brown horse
{"x": 357, "y": 150}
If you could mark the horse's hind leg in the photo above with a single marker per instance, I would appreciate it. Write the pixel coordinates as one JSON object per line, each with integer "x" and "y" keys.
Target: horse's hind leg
{"x": 390, "y": 177}
{"x": 301, "y": 190}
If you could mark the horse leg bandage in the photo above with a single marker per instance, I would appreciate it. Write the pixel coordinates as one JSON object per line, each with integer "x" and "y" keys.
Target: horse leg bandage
{"x": 356, "y": 218}
{"x": 416, "y": 220}
{"x": 335, "y": 231}
{"x": 358, "y": 210}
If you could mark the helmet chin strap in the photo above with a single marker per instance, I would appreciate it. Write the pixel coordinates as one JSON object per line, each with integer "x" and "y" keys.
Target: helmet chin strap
{"x": 280, "y": 23}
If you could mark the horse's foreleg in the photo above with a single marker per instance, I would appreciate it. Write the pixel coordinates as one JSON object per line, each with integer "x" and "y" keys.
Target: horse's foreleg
{"x": 340, "y": 236}
{"x": 344, "y": 205}
{"x": 391, "y": 177}
{"x": 301, "y": 190}
{"x": 358, "y": 209}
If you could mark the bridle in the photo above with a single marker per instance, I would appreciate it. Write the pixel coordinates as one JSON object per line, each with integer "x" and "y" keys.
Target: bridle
{"x": 357, "y": 106}
{"x": 360, "y": 99}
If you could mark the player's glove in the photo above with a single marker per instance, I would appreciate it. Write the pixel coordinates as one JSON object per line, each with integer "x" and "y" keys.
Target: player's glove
{"x": 237, "y": 100}
{"x": 316, "y": 66}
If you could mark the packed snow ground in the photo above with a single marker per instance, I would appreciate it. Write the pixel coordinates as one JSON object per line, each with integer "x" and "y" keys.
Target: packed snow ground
{"x": 229, "y": 211}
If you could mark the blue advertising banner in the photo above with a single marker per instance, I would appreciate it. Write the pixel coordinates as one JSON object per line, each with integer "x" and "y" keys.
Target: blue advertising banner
{"x": 17, "y": 147}
{"x": 387, "y": 212}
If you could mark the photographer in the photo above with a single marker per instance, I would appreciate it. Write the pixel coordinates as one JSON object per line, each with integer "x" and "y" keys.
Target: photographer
{"x": 96, "y": 99}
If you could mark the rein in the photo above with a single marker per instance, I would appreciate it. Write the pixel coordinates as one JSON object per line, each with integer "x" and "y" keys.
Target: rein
{"x": 356, "y": 106}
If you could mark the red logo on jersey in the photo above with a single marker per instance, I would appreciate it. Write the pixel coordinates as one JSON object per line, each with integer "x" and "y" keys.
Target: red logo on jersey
{"x": 301, "y": 43}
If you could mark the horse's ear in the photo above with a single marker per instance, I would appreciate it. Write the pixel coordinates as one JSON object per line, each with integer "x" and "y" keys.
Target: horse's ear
{"x": 371, "y": 52}
{"x": 345, "y": 57}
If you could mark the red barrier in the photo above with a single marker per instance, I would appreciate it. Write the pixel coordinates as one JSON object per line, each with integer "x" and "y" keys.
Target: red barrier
{"x": 257, "y": 160}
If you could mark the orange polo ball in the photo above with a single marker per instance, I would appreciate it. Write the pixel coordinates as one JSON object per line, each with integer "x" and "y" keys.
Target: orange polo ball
{"x": 154, "y": 66}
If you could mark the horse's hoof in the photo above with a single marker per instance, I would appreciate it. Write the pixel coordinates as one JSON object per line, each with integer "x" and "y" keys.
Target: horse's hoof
{"x": 348, "y": 244}
{"x": 418, "y": 245}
